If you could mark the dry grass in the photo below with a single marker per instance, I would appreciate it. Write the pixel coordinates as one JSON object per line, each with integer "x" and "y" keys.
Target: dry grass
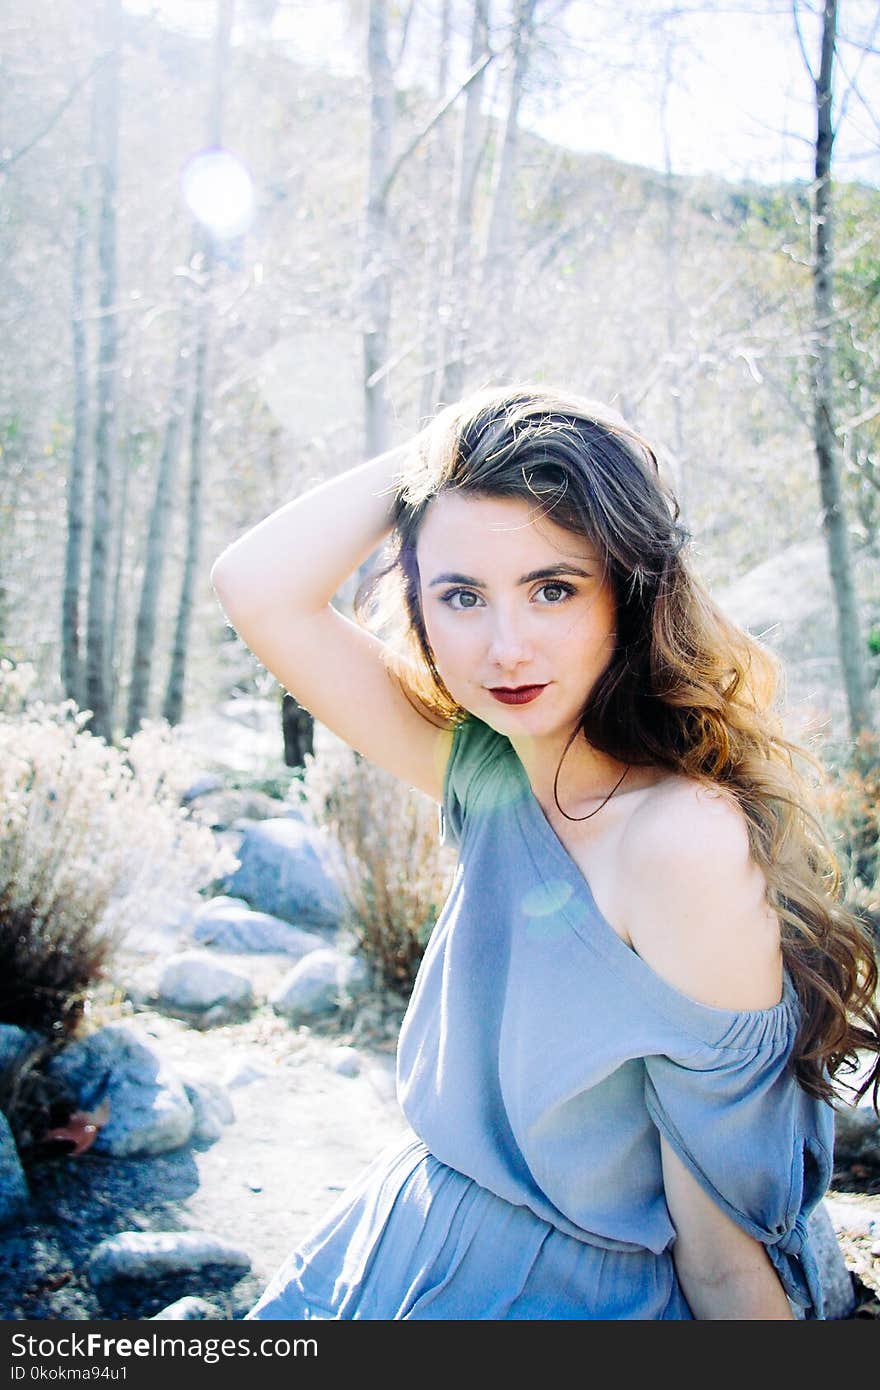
{"x": 393, "y": 873}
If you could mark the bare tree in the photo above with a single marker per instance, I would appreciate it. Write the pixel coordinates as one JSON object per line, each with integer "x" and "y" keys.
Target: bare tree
{"x": 468, "y": 157}
{"x": 71, "y": 656}
{"x": 157, "y": 535}
{"x": 376, "y": 268}
{"x": 106, "y": 135}
{"x": 173, "y": 705}
{"x": 827, "y": 448}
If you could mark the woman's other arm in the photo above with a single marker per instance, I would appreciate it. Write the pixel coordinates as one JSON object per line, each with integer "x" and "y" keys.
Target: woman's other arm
{"x": 275, "y": 584}
{"x": 698, "y": 916}
{"x": 724, "y": 1273}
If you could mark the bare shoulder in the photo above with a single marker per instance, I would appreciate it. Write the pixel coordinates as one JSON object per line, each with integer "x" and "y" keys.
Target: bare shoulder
{"x": 696, "y": 906}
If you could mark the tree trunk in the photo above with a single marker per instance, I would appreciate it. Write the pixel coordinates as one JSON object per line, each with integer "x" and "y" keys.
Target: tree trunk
{"x": 71, "y": 656}
{"x": 436, "y": 174}
{"x": 498, "y": 254}
{"x": 298, "y": 729}
{"x": 107, "y": 159}
{"x": 157, "y": 537}
{"x": 376, "y": 270}
{"x": 174, "y": 692}
{"x": 827, "y": 449}
{"x": 469, "y": 154}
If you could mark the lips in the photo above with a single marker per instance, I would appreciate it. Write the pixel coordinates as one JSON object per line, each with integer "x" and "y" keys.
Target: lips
{"x": 516, "y": 695}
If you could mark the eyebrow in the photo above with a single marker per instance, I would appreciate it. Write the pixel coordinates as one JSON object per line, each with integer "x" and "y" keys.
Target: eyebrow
{"x": 550, "y": 572}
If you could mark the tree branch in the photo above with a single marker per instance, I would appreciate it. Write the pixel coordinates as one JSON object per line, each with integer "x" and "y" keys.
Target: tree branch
{"x": 7, "y": 163}
{"x": 438, "y": 115}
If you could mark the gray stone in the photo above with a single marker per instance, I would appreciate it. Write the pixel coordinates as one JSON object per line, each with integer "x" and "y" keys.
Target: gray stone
{"x": 346, "y": 1061}
{"x": 149, "y": 1109}
{"x": 282, "y": 872}
{"x": 189, "y": 1310}
{"x": 155, "y": 1254}
{"x": 14, "y": 1194}
{"x": 853, "y": 1218}
{"x": 192, "y": 980}
{"x": 225, "y": 808}
{"x": 318, "y": 984}
{"x": 212, "y": 1108}
{"x": 856, "y": 1131}
{"x": 836, "y": 1280}
{"x": 243, "y": 1074}
{"x": 230, "y": 925}
{"x": 208, "y": 782}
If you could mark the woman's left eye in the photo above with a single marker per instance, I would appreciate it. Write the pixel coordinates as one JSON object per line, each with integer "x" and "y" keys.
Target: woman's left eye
{"x": 556, "y": 593}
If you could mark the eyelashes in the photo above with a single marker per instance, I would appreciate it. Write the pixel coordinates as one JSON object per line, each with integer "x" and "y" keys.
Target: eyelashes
{"x": 565, "y": 591}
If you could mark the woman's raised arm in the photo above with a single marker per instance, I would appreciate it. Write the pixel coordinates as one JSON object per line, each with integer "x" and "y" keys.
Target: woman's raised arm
{"x": 275, "y": 584}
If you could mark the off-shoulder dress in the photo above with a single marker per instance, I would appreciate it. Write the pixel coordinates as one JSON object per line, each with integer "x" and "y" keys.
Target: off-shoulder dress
{"x": 539, "y": 1062}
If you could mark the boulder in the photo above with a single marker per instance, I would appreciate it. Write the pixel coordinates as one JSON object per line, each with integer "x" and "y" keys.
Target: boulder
{"x": 282, "y": 871}
{"x": 837, "y": 1285}
{"x": 156, "y": 1254}
{"x": 192, "y": 980}
{"x": 189, "y": 1310}
{"x": 208, "y": 782}
{"x": 345, "y": 1060}
{"x": 212, "y": 1108}
{"x": 149, "y": 1109}
{"x": 229, "y": 924}
{"x": 14, "y": 1194}
{"x": 318, "y": 984}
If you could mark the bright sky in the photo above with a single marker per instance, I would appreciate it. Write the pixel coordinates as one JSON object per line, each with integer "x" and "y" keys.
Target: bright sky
{"x": 740, "y": 103}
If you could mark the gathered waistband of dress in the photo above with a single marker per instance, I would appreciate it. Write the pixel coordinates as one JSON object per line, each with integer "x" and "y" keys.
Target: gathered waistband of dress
{"x": 408, "y": 1157}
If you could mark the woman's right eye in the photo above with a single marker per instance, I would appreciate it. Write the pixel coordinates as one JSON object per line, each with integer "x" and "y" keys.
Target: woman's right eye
{"x": 466, "y": 599}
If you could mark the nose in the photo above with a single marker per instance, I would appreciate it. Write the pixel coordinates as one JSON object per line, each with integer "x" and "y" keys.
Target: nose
{"x": 509, "y": 646}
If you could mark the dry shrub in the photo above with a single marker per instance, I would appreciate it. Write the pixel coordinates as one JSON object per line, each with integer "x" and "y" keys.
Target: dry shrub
{"x": 92, "y": 842}
{"x": 849, "y": 803}
{"x": 393, "y": 873}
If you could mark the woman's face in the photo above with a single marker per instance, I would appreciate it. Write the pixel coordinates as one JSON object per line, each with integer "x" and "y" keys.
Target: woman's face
{"x": 516, "y": 611}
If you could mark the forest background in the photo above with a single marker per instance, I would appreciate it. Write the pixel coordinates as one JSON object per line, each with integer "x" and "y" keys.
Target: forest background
{"x": 235, "y": 265}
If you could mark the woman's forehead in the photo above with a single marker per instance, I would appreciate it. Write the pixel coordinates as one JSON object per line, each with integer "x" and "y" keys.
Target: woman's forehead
{"x": 457, "y": 522}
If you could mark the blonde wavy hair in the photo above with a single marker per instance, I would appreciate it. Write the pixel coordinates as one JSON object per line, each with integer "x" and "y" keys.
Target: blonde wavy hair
{"x": 685, "y": 689}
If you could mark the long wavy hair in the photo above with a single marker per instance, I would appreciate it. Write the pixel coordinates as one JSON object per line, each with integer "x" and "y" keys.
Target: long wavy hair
{"x": 685, "y": 689}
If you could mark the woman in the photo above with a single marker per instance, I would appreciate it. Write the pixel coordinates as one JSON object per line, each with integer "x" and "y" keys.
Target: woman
{"x": 618, "y": 1052}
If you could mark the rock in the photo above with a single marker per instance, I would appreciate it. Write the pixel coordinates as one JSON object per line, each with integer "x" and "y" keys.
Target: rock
{"x": 345, "y": 1060}
{"x": 189, "y": 1310}
{"x": 149, "y": 1109}
{"x": 14, "y": 1194}
{"x": 282, "y": 872}
{"x": 837, "y": 1286}
{"x": 212, "y": 1108}
{"x": 191, "y": 980}
{"x": 222, "y": 809}
{"x": 155, "y": 1254}
{"x": 208, "y": 782}
{"x": 243, "y": 1074}
{"x": 231, "y": 925}
{"x": 856, "y": 1131}
{"x": 853, "y": 1218}
{"x": 318, "y": 984}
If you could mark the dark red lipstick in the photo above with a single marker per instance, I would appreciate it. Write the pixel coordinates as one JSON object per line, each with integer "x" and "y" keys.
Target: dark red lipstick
{"x": 517, "y": 695}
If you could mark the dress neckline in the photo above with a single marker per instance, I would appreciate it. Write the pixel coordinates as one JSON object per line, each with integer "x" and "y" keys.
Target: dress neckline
{"x": 599, "y": 934}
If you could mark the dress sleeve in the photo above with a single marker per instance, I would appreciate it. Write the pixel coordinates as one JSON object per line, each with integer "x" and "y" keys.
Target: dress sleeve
{"x": 754, "y": 1139}
{"x": 474, "y": 748}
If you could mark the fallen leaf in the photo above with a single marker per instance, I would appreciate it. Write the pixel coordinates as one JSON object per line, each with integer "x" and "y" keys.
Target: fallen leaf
{"x": 80, "y": 1131}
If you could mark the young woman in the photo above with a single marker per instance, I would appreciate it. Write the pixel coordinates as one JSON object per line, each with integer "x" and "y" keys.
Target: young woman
{"x": 618, "y": 1054}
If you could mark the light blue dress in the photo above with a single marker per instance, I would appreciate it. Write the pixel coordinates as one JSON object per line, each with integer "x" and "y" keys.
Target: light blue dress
{"x": 539, "y": 1061}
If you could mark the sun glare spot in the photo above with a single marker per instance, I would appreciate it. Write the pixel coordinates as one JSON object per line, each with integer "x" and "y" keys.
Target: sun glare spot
{"x": 219, "y": 192}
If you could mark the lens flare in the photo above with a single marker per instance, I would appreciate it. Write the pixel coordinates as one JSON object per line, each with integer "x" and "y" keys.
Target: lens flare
{"x": 219, "y": 192}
